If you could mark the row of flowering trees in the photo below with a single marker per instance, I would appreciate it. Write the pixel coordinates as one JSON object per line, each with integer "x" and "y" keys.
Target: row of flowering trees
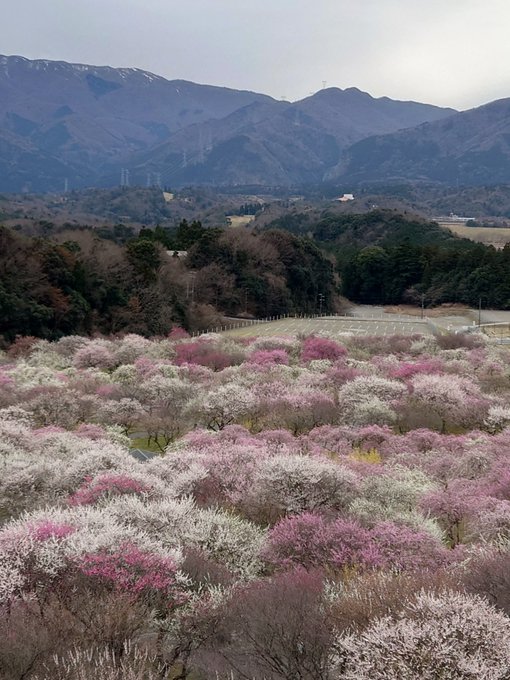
{"x": 319, "y": 509}
{"x": 167, "y": 387}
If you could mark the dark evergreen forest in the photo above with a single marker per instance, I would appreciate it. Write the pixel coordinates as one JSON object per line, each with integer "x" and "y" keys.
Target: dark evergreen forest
{"x": 384, "y": 257}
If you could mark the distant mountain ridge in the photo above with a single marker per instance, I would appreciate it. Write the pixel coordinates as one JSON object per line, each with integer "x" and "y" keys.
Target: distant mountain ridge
{"x": 278, "y": 142}
{"x": 80, "y": 117}
{"x": 83, "y": 123}
{"x": 468, "y": 148}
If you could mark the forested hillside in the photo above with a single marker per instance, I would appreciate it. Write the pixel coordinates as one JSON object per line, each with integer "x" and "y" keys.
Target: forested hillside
{"x": 470, "y": 148}
{"x": 87, "y": 284}
{"x": 109, "y": 281}
{"x": 385, "y": 258}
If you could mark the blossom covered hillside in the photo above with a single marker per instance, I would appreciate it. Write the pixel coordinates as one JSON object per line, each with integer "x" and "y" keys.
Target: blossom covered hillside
{"x": 310, "y": 509}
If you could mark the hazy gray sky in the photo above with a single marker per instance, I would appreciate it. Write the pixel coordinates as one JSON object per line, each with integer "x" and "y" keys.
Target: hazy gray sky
{"x": 447, "y": 52}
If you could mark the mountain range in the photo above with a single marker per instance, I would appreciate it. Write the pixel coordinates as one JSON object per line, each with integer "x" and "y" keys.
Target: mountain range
{"x": 78, "y": 125}
{"x": 61, "y": 120}
{"x": 468, "y": 148}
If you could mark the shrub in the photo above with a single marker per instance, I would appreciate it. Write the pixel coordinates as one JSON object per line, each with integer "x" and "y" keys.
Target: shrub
{"x": 204, "y": 353}
{"x": 321, "y": 348}
{"x": 269, "y": 357}
{"x": 96, "y": 354}
{"x": 276, "y": 629}
{"x": 135, "y": 572}
{"x": 294, "y": 484}
{"x": 309, "y": 540}
{"x": 450, "y": 636}
{"x": 106, "y": 485}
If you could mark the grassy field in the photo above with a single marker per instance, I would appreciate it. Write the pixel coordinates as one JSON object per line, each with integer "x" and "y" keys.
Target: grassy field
{"x": 496, "y": 237}
{"x": 240, "y": 220}
{"x": 144, "y": 444}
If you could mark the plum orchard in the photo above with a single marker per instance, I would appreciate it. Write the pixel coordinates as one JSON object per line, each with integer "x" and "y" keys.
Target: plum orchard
{"x": 318, "y": 511}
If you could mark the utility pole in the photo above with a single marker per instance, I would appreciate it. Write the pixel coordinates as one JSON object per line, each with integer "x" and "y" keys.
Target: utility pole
{"x": 479, "y": 311}
{"x": 422, "y": 304}
{"x": 321, "y": 300}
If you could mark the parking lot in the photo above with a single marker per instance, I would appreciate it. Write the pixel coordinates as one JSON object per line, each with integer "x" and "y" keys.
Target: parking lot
{"x": 375, "y": 320}
{"x": 334, "y": 325}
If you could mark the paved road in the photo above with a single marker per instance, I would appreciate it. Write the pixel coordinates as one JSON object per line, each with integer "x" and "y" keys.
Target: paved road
{"x": 493, "y": 316}
{"x": 449, "y": 322}
{"x": 142, "y": 455}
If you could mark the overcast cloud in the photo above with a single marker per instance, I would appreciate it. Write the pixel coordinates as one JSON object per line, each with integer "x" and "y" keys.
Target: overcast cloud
{"x": 446, "y": 52}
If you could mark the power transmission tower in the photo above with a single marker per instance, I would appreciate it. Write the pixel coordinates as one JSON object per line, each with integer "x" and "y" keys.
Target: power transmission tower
{"x": 149, "y": 179}
{"x": 201, "y": 147}
{"x": 124, "y": 177}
